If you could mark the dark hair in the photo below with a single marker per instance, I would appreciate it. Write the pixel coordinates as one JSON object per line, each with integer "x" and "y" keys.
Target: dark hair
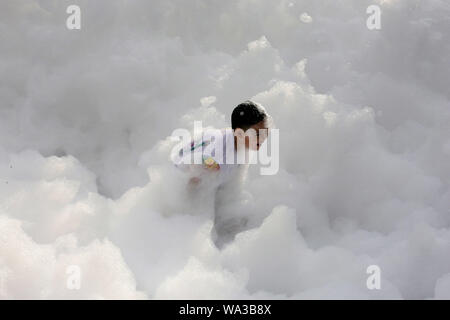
{"x": 247, "y": 114}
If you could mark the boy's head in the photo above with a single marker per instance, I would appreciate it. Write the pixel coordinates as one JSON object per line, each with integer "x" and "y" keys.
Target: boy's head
{"x": 250, "y": 115}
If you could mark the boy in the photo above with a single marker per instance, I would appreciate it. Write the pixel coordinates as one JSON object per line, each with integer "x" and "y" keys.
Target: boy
{"x": 217, "y": 156}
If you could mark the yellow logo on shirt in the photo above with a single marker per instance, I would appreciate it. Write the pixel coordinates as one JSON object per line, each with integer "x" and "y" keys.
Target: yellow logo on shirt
{"x": 211, "y": 164}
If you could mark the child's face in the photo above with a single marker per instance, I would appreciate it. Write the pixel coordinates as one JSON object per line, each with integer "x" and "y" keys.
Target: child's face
{"x": 256, "y": 137}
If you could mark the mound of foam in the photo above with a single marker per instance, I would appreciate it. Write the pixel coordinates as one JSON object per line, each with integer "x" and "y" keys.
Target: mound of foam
{"x": 85, "y": 120}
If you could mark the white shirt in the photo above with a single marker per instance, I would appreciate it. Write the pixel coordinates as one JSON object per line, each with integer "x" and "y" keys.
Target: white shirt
{"x": 211, "y": 157}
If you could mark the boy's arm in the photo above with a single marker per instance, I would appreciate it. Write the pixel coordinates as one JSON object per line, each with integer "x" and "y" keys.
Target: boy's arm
{"x": 196, "y": 171}
{"x": 209, "y": 165}
{"x": 194, "y": 181}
